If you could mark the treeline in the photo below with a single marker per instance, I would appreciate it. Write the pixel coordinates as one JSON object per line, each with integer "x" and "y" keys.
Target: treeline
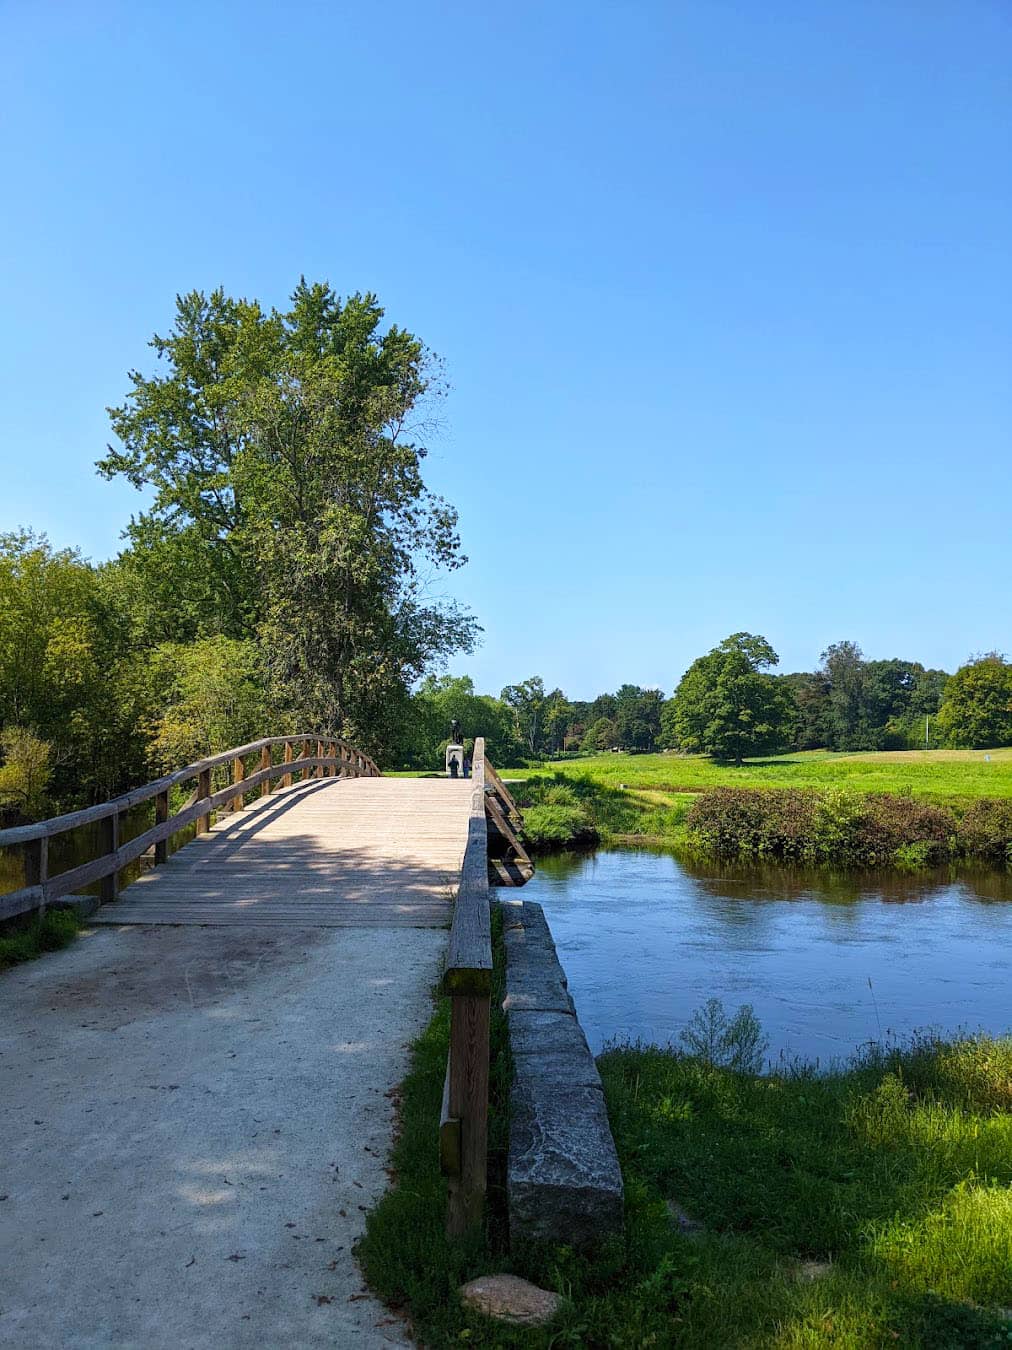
{"x": 273, "y": 581}
{"x": 731, "y": 704}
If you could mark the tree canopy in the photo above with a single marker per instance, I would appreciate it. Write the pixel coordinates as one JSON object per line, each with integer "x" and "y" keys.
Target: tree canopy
{"x": 976, "y": 711}
{"x": 282, "y": 451}
{"x": 729, "y": 706}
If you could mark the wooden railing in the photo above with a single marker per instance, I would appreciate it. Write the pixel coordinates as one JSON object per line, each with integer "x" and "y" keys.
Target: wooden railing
{"x": 308, "y": 756}
{"x": 467, "y": 980}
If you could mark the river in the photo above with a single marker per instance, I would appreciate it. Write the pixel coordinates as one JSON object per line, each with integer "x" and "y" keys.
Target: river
{"x": 827, "y": 961}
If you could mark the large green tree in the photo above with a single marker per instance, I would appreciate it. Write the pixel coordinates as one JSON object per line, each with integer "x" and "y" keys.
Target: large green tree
{"x": 729, "y": 706}
{"x": 282, "y": 452}
{"x": 527, "y": 704}
{"x": 976, "y": 711}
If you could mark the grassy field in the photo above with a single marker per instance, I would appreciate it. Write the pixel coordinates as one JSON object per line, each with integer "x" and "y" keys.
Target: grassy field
{"x": 647, "y": 797}
{"x": 940, "y": 775}
{"x": 867, "y": 1209}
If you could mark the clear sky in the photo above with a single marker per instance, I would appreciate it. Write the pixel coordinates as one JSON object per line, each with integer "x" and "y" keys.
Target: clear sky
{"x": 724, "y": 291}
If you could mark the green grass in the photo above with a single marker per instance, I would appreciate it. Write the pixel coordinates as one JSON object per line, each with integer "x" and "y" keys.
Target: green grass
{"x": 894, "y": 1175}
{"x": 25, "y": 942}
{"x": 940, "y": 775}
{"x": 647, "y": 797}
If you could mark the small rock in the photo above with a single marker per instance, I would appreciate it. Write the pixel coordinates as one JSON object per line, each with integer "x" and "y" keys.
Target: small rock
{"x": 685, "y": 1223}
{"x": 510, "y": 1299}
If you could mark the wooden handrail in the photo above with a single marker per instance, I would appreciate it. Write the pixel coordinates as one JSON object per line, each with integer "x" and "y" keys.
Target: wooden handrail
{"x": 463, "y": 1128}
{"x": 333, "y": 757}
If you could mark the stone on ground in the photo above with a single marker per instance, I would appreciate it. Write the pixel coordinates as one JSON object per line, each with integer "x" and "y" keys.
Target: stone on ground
{"x": 510, "y": 1299}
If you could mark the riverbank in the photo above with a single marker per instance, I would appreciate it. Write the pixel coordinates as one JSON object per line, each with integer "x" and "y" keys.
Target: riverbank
{"x": 906, "y": 809}
{"x": 863, "y": 1209}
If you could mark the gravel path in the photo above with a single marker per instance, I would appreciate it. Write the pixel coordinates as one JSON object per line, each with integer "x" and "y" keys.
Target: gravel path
{"x": 194, "y": 1121}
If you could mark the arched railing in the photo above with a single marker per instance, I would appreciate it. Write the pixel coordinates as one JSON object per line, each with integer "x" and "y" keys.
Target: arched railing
{"x": 273, "y": 757}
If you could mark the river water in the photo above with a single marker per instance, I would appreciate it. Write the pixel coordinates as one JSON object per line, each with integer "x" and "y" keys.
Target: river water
{"x": 827, "y": 961}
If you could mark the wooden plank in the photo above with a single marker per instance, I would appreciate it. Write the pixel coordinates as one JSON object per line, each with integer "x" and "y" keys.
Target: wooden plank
{"x": 469, "y": 958}
{"x": 366, "y": 851}
{"x": 22, "y": 901}
{"x": 506, "y": 830}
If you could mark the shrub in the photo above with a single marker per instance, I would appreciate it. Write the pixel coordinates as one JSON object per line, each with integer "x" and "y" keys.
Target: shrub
{"x": 736, "y": 1043}
{"x": 805, "y": 825}
{"x": 985, "y": 831}
{"x": 557, "y": 826}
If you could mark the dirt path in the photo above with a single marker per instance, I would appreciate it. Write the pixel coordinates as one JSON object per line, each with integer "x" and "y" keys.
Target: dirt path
{"x": 194, "y": 1121}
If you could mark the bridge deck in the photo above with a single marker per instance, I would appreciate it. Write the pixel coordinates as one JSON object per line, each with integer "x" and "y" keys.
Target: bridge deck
{"x": 361, "y": 852}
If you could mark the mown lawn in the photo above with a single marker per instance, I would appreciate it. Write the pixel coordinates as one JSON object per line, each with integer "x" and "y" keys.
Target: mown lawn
{"x": 941, "y": 775}
{"x": 647, "y": 797}
{"x": 872, "y": 1208}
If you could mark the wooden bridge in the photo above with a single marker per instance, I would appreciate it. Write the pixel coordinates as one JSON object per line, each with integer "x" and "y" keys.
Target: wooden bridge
{"x": 304, "y": 830}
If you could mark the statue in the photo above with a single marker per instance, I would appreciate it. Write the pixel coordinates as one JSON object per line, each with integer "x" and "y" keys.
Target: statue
{"x": 455, "y": 732}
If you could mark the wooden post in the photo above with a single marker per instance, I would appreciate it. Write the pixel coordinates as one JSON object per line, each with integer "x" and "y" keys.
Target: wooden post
{"x": 286, "y": 779}
{"x": 36, "y": 861}
{"x": 204, "y": 790}
{"x": 238, "y": 774}
{"x": 306, "y": 752}
{"x": 468, "y": 1104}
{"x": 319, "y": 755}
{"x": 332, "y": 752}
{"x": 161, "y": 816}
{"x": 265, "y": 763}
{"x": 109, "y": 834}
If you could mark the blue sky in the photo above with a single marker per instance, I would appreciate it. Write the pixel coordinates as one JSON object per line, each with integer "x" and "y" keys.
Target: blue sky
{"x": 724, "y": 291}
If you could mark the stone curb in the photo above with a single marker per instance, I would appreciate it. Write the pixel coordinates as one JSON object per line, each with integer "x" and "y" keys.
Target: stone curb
{"x": 563, "y": 1179}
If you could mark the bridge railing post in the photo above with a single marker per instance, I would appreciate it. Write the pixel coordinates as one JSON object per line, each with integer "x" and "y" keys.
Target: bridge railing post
{"x": 265, "y": 764}
{"x": 203, "y": 793}
{"x": 36, "y": 864}
{"x": 161, "y": 818}
{"x": 109, "y": 829}
{"x": 467, "y": 979}
{"x": 286, "y": 779}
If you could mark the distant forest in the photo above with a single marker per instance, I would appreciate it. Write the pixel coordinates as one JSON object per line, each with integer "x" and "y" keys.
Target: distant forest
{"x": 848, "y": 703}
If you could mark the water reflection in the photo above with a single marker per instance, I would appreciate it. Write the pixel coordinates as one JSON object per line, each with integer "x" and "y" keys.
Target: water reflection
{"x": 646, "y": 939}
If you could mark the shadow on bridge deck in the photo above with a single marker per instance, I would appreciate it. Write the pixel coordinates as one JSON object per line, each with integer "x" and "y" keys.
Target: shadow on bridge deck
{"x": 332, "y": 852}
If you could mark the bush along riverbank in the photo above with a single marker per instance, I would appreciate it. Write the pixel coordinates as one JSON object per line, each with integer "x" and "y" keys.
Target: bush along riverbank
{"x": 805, "y": 825}
{"x": 791, "y": 825}
{"x": 865, "y": 1208}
